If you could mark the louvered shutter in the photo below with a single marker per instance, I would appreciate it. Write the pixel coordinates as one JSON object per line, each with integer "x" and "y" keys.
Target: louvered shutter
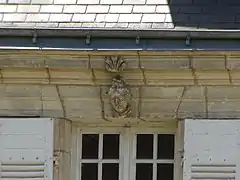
{"x": 211, "y": 150}
{"x": 26, "y": 149}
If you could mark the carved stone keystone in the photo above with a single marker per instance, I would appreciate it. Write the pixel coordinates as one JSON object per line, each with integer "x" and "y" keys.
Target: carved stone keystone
{"x": 119, "y": 95}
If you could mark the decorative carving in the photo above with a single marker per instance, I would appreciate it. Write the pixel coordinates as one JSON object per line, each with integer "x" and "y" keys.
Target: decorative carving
{"x": 115, "y": 64}
{"x": 120, "y": 97}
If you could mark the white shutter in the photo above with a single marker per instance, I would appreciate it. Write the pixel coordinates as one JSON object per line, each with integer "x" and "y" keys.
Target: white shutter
{"x": 26, "y": 149}
{"x": 211, "y": 149}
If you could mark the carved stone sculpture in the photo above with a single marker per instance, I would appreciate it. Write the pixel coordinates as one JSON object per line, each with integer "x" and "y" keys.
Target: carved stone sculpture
{"x": 115, "y": 64}
{"x": 119, "y": 95}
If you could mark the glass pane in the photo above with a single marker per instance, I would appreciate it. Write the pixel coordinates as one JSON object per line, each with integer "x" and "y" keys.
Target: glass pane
{"x": 165, "y": 146}
{"x": 144, "y": 146}
{"x": 144, "y": 171}
{"x": 111, "y": 146}
{"x": 110, "y": 171}
{"x": 89, "y": 171}
{"x": 165, "y": 171}
{"x": 90, "y": 146}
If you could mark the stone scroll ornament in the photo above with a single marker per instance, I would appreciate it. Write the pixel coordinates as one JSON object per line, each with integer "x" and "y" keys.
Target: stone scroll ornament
{"x": 119, "y": 95}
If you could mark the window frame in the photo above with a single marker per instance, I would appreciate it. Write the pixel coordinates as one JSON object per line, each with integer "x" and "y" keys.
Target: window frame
{"x": 126, "y": 162}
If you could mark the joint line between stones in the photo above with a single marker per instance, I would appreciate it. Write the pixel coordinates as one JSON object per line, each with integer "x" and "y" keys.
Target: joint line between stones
{"x": 193, "y": 70}
{"x": 181, "y": 99}
{"x": 206, "y": 100}
{"x": 140, "y": 67}
{"x": 61, "y": 101}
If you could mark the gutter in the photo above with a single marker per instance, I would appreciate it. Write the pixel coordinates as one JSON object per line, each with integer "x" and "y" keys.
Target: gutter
{"x": 122, "y": 33}
{"x": 74, "y": 39}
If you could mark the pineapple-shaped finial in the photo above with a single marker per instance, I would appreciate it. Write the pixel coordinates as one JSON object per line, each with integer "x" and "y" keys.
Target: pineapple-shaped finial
{"x": 115, "y": 64}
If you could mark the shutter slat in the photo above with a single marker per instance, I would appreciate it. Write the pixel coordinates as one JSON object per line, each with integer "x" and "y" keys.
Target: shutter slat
{"x": 210, "y": 149}
{"x": 29, "y": 156}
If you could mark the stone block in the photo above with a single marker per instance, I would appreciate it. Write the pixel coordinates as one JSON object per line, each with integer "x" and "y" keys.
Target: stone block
{"x": 161, "y": 92}
{"x": 192, "y": 109}
{"x": 164, "y": 62}
{"x": 171, "y": 77}
{"x": 83, "y": 108}
{"x": 83, "y": 92}
{"x": 233, "y": 62}
{"x": 20, "y": 91}
{"x": 208, "y": 62}
{"x": 158, "y": 109}
{"x": 98, "y": 62}
{"x": 75, "y": 76}
{"x": 25, "y": 75}
{"x": 49, "y": 93}
{"x": 209, "y": 77}
{"x": 224, "y": 109}
{"x": 223, "y": 93}
{"x": 194, "y": 93}
{"x": 21, "y": 60}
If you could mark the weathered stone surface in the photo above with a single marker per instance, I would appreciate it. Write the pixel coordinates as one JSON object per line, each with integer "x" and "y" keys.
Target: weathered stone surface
{"x": 195, "y": 93}
{"x": 158, "y": 109}
{"x": 164, "y": 77}
{"x": 84, "y": 92}
{"x": 161, "y": 92}
{"x": 164, "y": 62}
{"x": 75, "y": 76}
{"x": 209, "y": 77}
{"x": 83, "y": 108}
{"x": 208, "y": 62}
{"x": 223, "y": 93}
{"x": 98, "y": 62}
{"x": 191, "y": 108}
{"x": 224, "y": 109}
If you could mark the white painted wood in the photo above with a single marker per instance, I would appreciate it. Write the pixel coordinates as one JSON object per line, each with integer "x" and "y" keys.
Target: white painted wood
{"x": 211, "y": 149}
{"x": 127, "y": 159}
{"x": 26, "y": 144}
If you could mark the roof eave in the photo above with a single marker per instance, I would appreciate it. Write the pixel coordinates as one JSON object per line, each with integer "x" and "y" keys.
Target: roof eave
{"x": 123, "y": 33}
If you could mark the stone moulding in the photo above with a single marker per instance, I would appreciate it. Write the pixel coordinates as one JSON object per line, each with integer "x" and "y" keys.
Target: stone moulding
{"x": 119, "y": 95}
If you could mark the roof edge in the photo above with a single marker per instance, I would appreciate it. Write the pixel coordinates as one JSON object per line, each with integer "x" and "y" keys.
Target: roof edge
{"x": 109, "y": 33}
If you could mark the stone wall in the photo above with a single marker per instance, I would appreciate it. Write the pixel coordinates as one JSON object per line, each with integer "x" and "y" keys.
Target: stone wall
{"x": 73, "y": 85}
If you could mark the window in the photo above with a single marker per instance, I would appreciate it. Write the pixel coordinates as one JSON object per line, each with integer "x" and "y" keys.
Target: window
{"x": 153, "y": 157}
{"x": 125, "y": 155}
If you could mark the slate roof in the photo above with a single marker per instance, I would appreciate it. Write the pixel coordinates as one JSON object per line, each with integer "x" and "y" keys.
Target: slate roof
{"x": 123, "y": 14}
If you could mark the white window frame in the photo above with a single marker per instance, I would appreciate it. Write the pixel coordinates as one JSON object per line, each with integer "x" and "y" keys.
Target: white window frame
{"x": 126, "y": 163}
